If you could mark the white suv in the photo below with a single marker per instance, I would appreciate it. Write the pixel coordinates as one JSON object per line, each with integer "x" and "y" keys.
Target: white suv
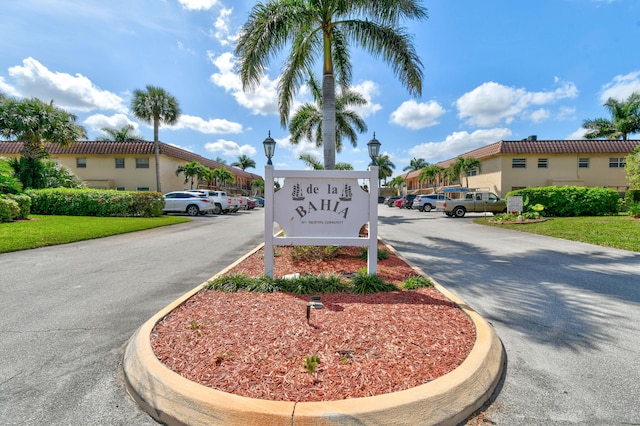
{"x": 427, "y": 202}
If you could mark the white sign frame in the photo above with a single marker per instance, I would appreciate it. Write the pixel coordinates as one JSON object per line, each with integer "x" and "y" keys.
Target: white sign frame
{"x": 370, "y": 213}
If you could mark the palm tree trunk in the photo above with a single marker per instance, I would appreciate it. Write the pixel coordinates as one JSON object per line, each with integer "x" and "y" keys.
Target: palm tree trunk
{"x": 156, "y": 150}
{"x": 329, "y": 121}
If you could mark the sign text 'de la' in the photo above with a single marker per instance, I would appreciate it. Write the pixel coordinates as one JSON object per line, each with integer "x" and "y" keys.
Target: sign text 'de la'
{"x": 317, "y": 207}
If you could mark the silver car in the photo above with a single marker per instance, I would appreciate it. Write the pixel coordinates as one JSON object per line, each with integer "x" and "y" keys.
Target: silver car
{"x": 190, "y": 203}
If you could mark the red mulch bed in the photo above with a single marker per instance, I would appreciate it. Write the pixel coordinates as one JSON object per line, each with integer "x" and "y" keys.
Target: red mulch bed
{"x": 255, "y": 344}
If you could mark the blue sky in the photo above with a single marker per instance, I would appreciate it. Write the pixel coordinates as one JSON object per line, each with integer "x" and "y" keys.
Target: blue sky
{"x": 493, "y": 70}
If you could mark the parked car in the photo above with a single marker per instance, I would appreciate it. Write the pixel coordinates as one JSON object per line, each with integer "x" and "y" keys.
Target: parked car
{"x": 427, "y": 202}
{"x": 381, "y": 199}
{"x": 251, "y": 203}
{"x": 390, "y": 200}
{"x": 220, "y": 201}
{"x": 407, "y": 201}
{"x": 259, "y": 201}
{"x": 190, "y": 203}
{"x": 398, "y": 203}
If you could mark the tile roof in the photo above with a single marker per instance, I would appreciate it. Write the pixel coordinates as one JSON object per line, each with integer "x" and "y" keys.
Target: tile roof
{"x": 128, "y": 148}
{"x": 580, "y": 146}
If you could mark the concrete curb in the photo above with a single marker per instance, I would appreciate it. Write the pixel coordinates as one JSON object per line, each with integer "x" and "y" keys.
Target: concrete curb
{"x": 171, "y": 399}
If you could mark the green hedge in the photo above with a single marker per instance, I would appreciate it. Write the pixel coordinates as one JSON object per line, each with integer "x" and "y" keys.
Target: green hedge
{"x": 572, "y": 200}
{"x": 95, "y": 202}
{"x": 14, "y": 207}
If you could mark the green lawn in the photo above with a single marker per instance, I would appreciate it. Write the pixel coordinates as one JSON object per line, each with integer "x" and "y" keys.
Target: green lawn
{"x": 40, "y": 231}
{"x": 621, "y": 232}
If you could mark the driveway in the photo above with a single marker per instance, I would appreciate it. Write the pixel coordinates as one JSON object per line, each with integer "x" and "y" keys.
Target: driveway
{"x": 67, "y": 312}
{"x": 568, "y": 314}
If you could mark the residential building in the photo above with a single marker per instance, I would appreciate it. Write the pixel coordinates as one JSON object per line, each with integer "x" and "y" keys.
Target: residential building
{"x": 510, "y": 165}
{"x": 131, "y": 165}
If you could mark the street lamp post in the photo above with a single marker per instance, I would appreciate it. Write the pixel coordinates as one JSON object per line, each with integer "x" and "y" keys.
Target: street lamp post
{"x": 374, "y": 149}
{"x": 269, "y": 148}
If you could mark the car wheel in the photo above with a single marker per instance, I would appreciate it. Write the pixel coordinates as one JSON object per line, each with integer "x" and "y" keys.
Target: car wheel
{"x": 459, "y": 212}
{"x": 421, "y": 209}
{"x": 426, "y": 208}
{"x": 448, "y": 213}
{"x": 217, "y": 209}
{"x": 193, "y": 210}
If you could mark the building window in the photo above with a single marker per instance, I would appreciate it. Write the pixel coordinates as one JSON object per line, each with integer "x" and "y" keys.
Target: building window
{"x": 543, "y": 163}
{"x": 119, "y": 163}
{"x": 473, "y": 172}
{"x": 81, "y": 163}
{"x": 518, "y": 163}
{"x": 617, "y": 162}
{"x": 120, "y": 188}
{"x": 142, "y": 163}
{"x": 142, "y": 188}
{"x": 583, "y": 163}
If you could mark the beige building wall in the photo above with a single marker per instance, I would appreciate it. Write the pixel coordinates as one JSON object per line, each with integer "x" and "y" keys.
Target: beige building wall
{"x": 562, "y": 170}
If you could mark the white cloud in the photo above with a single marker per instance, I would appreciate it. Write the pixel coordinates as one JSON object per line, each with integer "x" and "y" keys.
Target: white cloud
{"x": 539, "y": 115}
{"x": 621, "y": 87}
{"x": 73, "y": 93}
{"x": 198, "y": 4}
{"x": 458, "y": 143}
{"x": 211, "y": 126}
{"x": 229, "y": 148}
{"x": 578, "y": 134}
{"x": 417, "y": 116}
{"x": 263, "y": 100}
{"x": 369, "y": 90}
{"x": 491, "y": 103}
{"x": 116, "y": 121}
{"x": 221, "y": 30}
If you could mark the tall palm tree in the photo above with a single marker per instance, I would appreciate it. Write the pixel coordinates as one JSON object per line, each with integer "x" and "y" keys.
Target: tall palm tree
{"x": 625, "y": 119}
{"x": 307, "y": 120}
{"x": 416, "y": 164}
{"x": 155, "y": 105}
{"x": 220, "y": 160}
{"x": 396, "y": 183}
{"x": 244, "y": 162}
{"x": 223, "y": 176}
{"x": 385, "y": 167}
{"x": 191, "y": 170}
{"x": 123, "y": 134}
{"x": 464, "y": 167}
{"x": 323, "y": 30}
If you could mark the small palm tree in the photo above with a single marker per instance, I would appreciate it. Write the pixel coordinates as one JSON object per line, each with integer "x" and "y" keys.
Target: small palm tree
{"x": 223, "y": 176}
{"x": 155, "y": 105}
{"x": 385, "y": 167}
{"x": 416, "y": 164}
{"x": 124, "y": 134}
{"x": 316, "y": 164}
{"x": 323, "y": 31}
{"x": 464, "y": 167}
{"x": 258, "y": 184}
{"x": 244, "y": 162}
{"x": 191, "y": 170}
{"x": 396, "y": 183}
{"x": 429, "y": 174}
{"x": 307, "y": 120}
{"x": 625, "y": 119}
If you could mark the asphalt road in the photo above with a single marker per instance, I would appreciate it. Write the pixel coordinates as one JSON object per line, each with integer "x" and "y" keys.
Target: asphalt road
{"x": 68, "y": 311}
{"x": 567, "y": 313}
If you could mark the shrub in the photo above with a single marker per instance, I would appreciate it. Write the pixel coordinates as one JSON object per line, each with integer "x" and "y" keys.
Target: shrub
{"x": 9, "y": 209}
{"x": 416, "y": 282}
{"x": 572, "y": 200}
{"x": 95, "y": 202}
{"x": 364, "y": 283}
{"x": 364, "y": 254}
{"x": 634, "y": 209}
{"x": 315, "y": 252}
{"x": 312, "y": 284}
{"x": 9, "y": 184}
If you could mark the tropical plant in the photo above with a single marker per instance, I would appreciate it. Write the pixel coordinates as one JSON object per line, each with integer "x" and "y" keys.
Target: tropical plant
{"x": 416, "y": 164}
{"x": 244, "y": 162}
{"x": 625, "y": 119}
{"x": 632, "y": 167}
{"x": 464, "y": 167}
{"x": 59, "y": 176}
{"x": 34, "y": 122}
{"x": 9, "y": 183}
{"x": 430, "y": 174}
{"x": 385, "y": 167}
{"x": 155, "y": 105}
{"x": 316, "y": 164}
{"x": 123, "y": 134}
{"x": 191, "y": 170}
{"x": 223, "y": 176}
{"x": 307, "y": 120}
{"x": 220, "y": 160}
{"x": 396, "y": 183}
{"x": 258, "y": 184}
{"x": 324, "y": 30}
